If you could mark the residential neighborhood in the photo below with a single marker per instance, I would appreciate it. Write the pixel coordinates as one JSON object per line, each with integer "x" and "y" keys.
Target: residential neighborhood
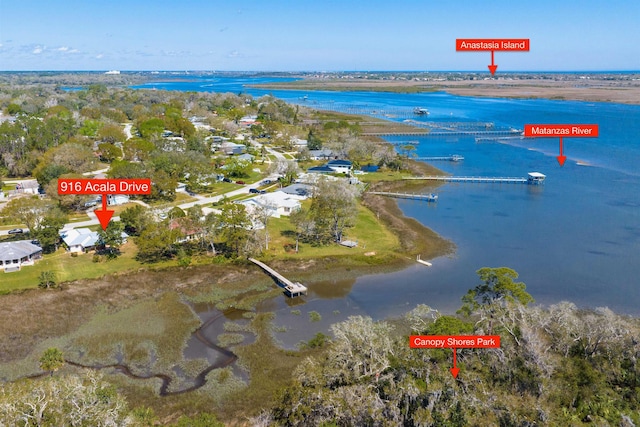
{"x": 267, "y": 167}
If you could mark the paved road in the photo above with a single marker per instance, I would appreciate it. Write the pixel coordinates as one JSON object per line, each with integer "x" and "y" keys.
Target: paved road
{"x": 93, "y": 220}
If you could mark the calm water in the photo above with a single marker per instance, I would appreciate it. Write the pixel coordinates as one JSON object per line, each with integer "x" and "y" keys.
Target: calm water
{"x": 576, "y": 238}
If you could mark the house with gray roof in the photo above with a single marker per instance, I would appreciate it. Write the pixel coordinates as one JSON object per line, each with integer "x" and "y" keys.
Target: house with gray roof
{"x": 303, "y": 190}
{"x": 13, "y": 255}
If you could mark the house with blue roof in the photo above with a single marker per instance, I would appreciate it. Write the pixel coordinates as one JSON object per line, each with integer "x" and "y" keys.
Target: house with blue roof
{"x": 333, "y": 166}
{"x": 340, "y": 166}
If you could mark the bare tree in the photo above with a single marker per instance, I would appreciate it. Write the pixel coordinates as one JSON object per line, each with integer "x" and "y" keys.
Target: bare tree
{"x": 334, "y": 207}
{"x": 262, "y": 213}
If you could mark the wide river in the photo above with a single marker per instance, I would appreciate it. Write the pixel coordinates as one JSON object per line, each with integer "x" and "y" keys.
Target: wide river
{"x": 575, "y": 238}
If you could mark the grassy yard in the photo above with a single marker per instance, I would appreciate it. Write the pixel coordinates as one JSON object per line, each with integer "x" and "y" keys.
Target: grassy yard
{"x": 383, "y": 175}
{"x": 67, "y": 268}
{"x": 370, "y": 234}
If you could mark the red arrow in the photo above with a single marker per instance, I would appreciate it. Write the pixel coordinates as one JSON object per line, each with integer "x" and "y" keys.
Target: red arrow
{"x": 561, "y": 158}
{"x": 492, "y": 67}
{"x": 104, "y": 216}
{"x": 454, "y": 370}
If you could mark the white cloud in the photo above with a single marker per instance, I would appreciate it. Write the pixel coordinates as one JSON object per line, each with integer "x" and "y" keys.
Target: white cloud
{"x": 99, "y": 56}
{"x": 62, "y": 49}
{"x": 37, "y": 50}
{"x": 233, "y": 54}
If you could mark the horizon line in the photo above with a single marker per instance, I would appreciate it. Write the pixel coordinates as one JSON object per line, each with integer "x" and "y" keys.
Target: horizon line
{"x": 316, "y": 71}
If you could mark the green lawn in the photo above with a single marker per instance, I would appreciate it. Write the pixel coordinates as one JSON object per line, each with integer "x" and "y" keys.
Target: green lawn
{"x": 370, "y": 234}
{"x": 383, "y": 175}
{"x": 67, "y": 268}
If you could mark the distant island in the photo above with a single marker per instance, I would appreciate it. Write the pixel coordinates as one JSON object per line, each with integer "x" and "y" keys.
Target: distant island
{"x": 619, "y": 87}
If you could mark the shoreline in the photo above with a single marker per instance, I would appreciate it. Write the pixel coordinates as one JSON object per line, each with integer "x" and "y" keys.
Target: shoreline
{"x": 118, "y": 291}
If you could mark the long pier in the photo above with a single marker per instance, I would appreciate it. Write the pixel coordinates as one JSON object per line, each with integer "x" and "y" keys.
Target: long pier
{"x": 426, "y": 197}
{"x": 401, "y": 133}
{"x": 506, "y": 180}
{"x": 291, "y": 289}
{"x": 404, "y": 142}
{"x": 498, "y": 139}
{"x": 452, "y": 158}
{"x": 482, "y": 133}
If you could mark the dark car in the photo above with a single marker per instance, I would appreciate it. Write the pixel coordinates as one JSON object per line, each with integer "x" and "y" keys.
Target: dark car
{"x": 254, "y": 191}
{"x": 226, "y": 180}
{"x": 16, "y": 231}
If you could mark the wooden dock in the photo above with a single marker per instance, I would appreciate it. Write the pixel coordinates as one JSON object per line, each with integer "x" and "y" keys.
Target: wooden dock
{"x": 488, "y": 179}
{"x": 401, "y": 133}
{"x": 453, "y": 158}
{"x": 291, "y": 289}
{"x": 426, "y": 197}
{"x": 484, "y": 133}
{"x": 404, "y": 142}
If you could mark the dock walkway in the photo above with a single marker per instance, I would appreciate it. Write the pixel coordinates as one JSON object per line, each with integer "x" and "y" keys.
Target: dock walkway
{"x": 506, "y": 180}
{"x": 426, "y": 197}
{"x": 292, "y": 289}
{"x": 452, "y": 158}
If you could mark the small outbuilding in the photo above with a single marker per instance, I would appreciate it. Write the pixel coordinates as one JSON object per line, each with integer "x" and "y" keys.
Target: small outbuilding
{"x": 535, "y": 178}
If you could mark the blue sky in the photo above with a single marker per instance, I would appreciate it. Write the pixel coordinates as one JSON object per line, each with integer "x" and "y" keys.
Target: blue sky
{"x": 303, "y": 35}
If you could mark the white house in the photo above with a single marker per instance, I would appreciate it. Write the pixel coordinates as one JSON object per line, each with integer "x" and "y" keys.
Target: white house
{"x": 299, "y": 144}
{"x": 323, "y": 154}
{"x": 80, "y": 239}
{"x": 27, "y": 187}
{"x": 278, "y": 202}
{"x": 231, "y": 148}
{"x": 340, "y": 166}
{"x": 14, "y": 255}
{"x": 117, "y": 199}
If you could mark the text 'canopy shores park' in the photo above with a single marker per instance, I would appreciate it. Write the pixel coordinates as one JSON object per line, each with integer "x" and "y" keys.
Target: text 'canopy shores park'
{"x": 206, "y": 221}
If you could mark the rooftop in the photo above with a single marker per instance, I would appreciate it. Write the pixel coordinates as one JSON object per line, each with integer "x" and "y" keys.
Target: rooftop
{"x": 80, "y": 236}
{"x": 339, "y": 163}
{"x": 17, "y": 250}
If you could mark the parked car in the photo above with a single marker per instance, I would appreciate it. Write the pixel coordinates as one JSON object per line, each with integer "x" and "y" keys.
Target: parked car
{"x": 226, "y": 179}
{"x": 16, "y": 231}
{"x": 240, "y": 182}
{"x": 254, "y": 191}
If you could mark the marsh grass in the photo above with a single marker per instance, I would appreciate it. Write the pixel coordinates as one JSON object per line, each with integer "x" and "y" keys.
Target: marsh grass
{"x": 314, "y": 316}
{"x": 270, "y": 368}
{"x": 150, "y": 334}
{"x": 227, "y": 340}
{"x": 222, "y": 384}
{"x": 235, "y": 327}
{"x": 192, "y": 367}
